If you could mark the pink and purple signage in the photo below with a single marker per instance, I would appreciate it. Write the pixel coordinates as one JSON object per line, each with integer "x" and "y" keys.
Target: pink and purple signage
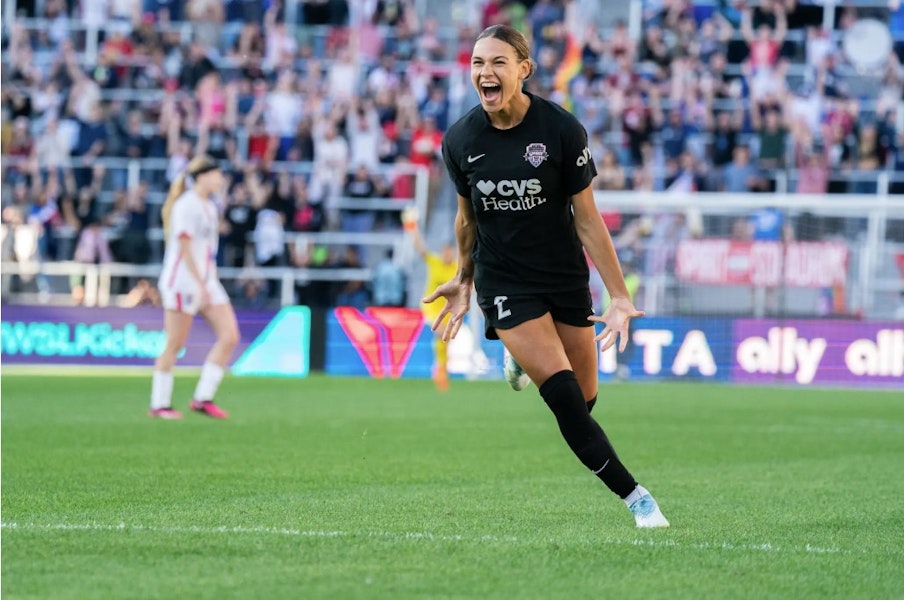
{"x": 819, "y": 352}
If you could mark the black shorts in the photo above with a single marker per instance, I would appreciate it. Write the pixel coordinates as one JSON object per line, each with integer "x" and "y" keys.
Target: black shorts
{"x": 505, "y": 312}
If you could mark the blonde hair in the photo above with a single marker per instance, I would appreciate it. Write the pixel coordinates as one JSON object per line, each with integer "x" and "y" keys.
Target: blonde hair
{"x": 199, "y": 164}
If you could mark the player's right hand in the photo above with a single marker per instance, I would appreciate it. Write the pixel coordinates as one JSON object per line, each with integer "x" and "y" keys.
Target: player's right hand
{"x": 458, "y": 301}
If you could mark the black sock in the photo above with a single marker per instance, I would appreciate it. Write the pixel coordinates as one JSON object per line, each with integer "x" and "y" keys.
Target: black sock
{"x": 590, "y": 404}
{"x": 585, "y": 437}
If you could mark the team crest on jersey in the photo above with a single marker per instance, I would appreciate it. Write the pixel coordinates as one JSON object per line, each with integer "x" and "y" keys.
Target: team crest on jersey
{"x": 536, "y": 153}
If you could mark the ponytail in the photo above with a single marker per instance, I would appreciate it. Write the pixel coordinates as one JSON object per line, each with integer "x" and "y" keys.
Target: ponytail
{"x": 177, "y": 188}
{"x": 198, "y": 166}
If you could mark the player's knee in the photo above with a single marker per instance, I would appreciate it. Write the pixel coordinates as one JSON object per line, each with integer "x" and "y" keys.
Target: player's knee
{"x": 229, "y": 337}
{"x": 563, "y": 394}
{"x": 169, "y": 354}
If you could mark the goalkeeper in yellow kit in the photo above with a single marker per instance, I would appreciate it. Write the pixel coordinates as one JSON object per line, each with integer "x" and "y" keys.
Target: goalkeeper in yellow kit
{"x": 440, "y": 269}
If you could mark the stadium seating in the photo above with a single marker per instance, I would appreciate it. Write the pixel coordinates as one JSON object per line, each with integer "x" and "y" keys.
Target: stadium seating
{"x": 293, "y": 100}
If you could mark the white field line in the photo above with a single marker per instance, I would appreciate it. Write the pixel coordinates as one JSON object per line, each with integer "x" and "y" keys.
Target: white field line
{"x": 414, "y": 536}
{"x": 88, "y": 370}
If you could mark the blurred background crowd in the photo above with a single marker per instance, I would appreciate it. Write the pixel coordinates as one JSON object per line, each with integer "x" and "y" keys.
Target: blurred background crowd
{"x": 318, "y": 107}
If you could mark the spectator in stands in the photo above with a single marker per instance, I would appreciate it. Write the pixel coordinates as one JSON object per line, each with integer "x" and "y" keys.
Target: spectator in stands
{"x": 684, "y": 174}
{"x": 303, "y": 145}
{"x": 724, "y": 128}
{"x": 426, "y": 142}
{"x": 610, "y": 175}
{"x": 772, "y": 136}
{"x": 44, "y": 216}
{"x": 354, "y": 291}
{"x": 307, "y": 216}
{"x": 712, "y": 38}
{"x": 653, "y": 49}
{"x": 360, "y": 185}
{"x": 897, "y": 185}
{"x": 812, "y": 166}
{"x": 207, "y": 17}
{"x": 240, "y": 217}
{"x": 430, "y": 47}
{"x": 765, "y": 37}
{"x": 638, "y": 127}
{"x": 436, "y": 107}
{"x": 51, "y": 150}
{"x": 270, "y": 242}
{"x": 364, "y": 134}
{"x": 330, "y": 168}
{"x": 426, "y": 146}
{"x": 544, "y": 15}
{"x": 392, "y": 12}
{"x": 282, "y": 111}
{"x": 92, "y": 246}
{"x": 197, "y": 65}
{"x": 21, "y": 241}
{"x": 90, "y": 144}
{"x": 674, "y": 135}
{"x": 840, "y": 153}
{"x": 388, "y": 283}
{"x": 343, "y": 77}
{"x": 819, "y": 45}
{"x": 870, "y": 158}
{"x": 741, "y": 176}
{"x": 20, "y": 146}
{"x": 493, "y": 14}
{"x": 134, "y": 143}
{"x": 133, "y": 245}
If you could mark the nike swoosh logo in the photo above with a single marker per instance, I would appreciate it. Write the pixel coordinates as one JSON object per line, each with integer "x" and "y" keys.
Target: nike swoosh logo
{"x": 473, "y": 158}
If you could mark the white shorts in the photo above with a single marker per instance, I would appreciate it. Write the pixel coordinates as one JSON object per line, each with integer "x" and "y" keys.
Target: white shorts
{"x": 186, "y": 299}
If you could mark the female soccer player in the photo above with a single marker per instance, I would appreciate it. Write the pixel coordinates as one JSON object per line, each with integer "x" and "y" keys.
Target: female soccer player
{"x": 522, "y": 168}
{"x": 189, "y": 285}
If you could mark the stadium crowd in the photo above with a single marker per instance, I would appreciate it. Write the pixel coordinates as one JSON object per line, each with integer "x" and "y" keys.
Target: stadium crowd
{"x": 316, "y": 108}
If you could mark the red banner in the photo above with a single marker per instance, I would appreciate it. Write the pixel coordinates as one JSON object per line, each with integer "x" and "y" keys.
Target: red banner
{"x": 767, "y": 264}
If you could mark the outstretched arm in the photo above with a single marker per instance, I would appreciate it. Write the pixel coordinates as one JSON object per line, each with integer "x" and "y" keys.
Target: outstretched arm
{"x": 598, "y": 243}
{"x": 418, "y": 240}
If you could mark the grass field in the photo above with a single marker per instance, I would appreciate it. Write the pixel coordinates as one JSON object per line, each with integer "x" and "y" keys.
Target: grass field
{"x": 355, "y": 488}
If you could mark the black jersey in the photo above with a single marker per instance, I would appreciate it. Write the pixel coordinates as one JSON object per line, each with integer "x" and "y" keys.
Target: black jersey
{"x": 520, "y": 182}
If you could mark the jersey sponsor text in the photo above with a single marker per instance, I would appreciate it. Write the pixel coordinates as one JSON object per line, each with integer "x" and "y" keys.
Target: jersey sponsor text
{"x": 510, "y": 194}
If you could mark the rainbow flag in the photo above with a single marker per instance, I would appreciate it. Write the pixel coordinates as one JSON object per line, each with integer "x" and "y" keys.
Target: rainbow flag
{"x": 569, "y": 69}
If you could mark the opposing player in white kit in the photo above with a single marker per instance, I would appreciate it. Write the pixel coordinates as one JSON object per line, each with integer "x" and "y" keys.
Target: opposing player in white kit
{"x": 189, "y": 285}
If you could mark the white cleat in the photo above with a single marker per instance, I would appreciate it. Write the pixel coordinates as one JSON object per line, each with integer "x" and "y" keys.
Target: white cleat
{"x": 514, "y": 374}
{"x": 647, "y": 514}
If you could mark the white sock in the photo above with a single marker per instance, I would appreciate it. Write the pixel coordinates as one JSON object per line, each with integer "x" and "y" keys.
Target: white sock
{"x": 161, "y": 389}
{"x": 211, "y": 376}
{"x": 636, "y": 495}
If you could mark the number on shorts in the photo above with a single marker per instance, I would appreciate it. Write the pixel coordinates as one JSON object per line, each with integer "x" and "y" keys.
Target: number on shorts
{"x": 502, "y": 312}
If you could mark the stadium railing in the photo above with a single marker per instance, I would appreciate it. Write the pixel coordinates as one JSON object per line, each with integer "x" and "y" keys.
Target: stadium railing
{"x": 845, "y": 258}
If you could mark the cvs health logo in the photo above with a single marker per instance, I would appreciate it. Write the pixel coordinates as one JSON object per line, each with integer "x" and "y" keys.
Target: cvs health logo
{"x": 383, "y": 337}
{"x": 510, "y": 194}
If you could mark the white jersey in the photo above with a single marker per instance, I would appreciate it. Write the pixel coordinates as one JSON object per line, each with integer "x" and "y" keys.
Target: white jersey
{"x": 197, "y": 219}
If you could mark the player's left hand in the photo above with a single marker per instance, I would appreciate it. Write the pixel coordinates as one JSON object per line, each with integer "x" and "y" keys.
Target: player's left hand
{"x": 616, "y": 318}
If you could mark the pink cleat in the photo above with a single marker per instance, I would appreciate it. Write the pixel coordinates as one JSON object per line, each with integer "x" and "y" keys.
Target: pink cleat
{"x": 168, "y": 413}
{"x": 207, "y": 407}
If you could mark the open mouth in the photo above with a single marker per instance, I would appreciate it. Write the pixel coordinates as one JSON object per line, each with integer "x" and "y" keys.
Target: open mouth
{"x": 490, "y": 91}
